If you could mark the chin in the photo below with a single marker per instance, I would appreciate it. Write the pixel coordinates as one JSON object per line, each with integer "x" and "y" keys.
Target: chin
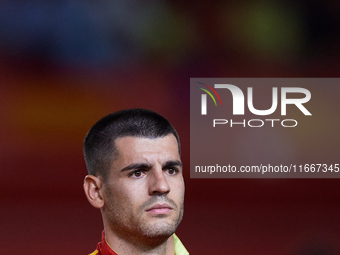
{"x": 162, "y": 226}
{"x": 160, "y": 229}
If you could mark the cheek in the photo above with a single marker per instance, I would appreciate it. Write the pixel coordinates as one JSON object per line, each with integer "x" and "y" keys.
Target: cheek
{"x": 129, "y": 197}
{"x": 178, "y": 188}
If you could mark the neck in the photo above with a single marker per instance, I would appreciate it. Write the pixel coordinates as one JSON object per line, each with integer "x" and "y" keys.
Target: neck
{"x": 144, "y": 246}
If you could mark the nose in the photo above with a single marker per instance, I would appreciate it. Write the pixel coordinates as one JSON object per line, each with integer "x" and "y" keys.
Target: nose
{"x": 158, "y": 183}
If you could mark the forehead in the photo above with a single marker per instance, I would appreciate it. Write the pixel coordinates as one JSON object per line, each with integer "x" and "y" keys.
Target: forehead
{"x": 131, "y": 148}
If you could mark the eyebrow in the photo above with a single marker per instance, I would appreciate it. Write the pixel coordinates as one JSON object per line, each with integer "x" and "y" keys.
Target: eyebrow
{"x": 170, "y": 163}
{"x": 135, "y": 166}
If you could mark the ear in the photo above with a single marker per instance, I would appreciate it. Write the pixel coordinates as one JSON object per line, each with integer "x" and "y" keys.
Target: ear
{"x": 93, "y": 191}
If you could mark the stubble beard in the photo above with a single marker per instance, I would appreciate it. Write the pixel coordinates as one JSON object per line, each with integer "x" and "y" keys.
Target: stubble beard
{"x": 140, "y": 228}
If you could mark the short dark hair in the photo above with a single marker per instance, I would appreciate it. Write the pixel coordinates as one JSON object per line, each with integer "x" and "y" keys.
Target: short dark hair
{"x": 99, "y": 143}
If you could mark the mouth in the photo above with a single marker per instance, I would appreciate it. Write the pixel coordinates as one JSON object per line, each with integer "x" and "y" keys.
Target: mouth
{"x": 159, "y": 209}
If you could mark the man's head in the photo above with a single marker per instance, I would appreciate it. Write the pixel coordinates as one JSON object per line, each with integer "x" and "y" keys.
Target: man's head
{"x": 135, "y": 175}
{"x": 99, "y": 144}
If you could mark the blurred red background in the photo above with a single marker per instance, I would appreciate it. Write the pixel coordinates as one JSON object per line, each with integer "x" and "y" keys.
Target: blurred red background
{"x": 65, "y": 64}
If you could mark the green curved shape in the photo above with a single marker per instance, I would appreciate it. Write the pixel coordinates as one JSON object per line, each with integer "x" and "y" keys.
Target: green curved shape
{"x": 209, "y": 94}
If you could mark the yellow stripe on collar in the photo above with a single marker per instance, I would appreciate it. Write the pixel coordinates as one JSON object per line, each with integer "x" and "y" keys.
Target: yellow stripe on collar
{"x": 179, "y": 247}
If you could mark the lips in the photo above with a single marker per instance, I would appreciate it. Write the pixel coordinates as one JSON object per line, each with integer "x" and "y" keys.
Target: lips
{"x": 160, "y": 209}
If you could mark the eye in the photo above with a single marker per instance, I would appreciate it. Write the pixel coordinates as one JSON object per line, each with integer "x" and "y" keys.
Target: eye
{"x": 137, "y": 173}
{"x": 172, "y": 170}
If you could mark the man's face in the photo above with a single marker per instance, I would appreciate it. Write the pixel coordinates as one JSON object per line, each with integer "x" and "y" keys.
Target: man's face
{"x": 144, "y": 193}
